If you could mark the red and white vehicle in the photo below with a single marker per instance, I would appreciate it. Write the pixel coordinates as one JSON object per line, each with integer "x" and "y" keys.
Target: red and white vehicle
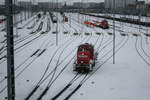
{"x": 103, "y": 24}
{"x": 86, "y": 58}
{"x": 89, "y": 23}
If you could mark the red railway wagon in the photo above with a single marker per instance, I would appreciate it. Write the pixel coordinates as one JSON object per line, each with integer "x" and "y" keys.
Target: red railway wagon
{"x": 88, "y": 23}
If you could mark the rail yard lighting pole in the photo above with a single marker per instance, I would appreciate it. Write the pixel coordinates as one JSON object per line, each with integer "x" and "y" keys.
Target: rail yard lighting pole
{"x": 57, "y": 23}
{"x": 114, "y": 36}
{"x": 70, "y": 18}
{"x": 10, "y": 51}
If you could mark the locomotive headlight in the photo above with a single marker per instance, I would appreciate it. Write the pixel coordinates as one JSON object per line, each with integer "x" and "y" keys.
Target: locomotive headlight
{"x": 91, "y": 61}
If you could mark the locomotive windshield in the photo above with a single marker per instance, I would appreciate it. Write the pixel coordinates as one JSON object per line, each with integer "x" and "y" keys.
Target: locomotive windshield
{"x": 82, "y": 49}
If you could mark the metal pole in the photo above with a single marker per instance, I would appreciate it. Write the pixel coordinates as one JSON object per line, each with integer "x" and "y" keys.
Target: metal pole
{"x": 57, "y": 26}
{"x": 10, "y": 51}
{"x": 15, "y": 18}
{"x": 70, "y": 18}
{"x": 114, "y": 36}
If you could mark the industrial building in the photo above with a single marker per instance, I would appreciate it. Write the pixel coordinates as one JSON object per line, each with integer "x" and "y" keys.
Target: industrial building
{"x": 119, "y": 3}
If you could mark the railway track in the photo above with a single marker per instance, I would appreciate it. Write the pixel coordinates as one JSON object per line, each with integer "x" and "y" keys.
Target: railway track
{"x": 141, "y": 53}
{"x": 31, "y": 20}
{"x": 141, "y": 44}
{"x": 25, "y": 44}
{"x": 41, "y": 51}
{"x": 57, "y": 77}
{"x": 33, "y": 59}
{"x": 19, "y": 40}
{"x": 87, "y": 76}
{"x": 54, "y": 79}
{"x": 28, "y": 58}
{"x": 2, "y": 29}
{"x": 35, "y": 55}
{"x": 50, "y": 80}
{"x": 108, "y": 41}
{"x": 40, "y": 81}
{"x": 47, "y": 68}
{"x": 77, "y": 76}
{"x": 125, "y": 41}
{"x": 127, "y": 25}
{"x": 16, "y": 42}
{"x": 84, "y": 79}
{"x": 83, "y": 27}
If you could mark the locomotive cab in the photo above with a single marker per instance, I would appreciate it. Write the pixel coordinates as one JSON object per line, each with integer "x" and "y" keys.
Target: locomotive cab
{"x": 104, "y": 24}
{"x": 85, "y": 60}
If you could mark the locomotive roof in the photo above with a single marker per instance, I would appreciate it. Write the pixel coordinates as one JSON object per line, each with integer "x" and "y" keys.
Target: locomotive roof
{"x": 86, "y": 46}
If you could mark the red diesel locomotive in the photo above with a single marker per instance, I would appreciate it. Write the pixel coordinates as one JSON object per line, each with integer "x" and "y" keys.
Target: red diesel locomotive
{"x": 103, "y": 24}
{"x": 86, "y": 58}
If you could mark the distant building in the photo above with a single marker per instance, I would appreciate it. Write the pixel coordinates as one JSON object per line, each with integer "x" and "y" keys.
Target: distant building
{"x": 79, "y": 5}
{"x": 108, "y": 4}
{"x": 141, "y": 5}
{"x": 119, "y": 3}
{"x": 86, "y": 5}
{"x": 50, "y": 5}
{"x": 24, "y": 3}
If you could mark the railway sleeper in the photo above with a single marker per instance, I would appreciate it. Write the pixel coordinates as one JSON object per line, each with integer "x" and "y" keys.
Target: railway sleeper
{"x": 87, "y": 33}
{"x": 32, "y": 32}
{"x": 75, "y": 33}
{"x": 98, "y": 33}
{"x": 20, "y": 28}
{"x": 43, "y": 32}
{"x": 148, "y": 35}
{"x": 122, "y": 34}
{"x": 109, "y": 33}
{"x": 54, "y": 32}
{"x": 65, "y": 32}
{"x": 136, "y": 35}
{"x": 29, "y": 27}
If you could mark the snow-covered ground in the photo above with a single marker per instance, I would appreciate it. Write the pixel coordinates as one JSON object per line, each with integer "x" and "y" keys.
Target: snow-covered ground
{"x": 127, "y": 79}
